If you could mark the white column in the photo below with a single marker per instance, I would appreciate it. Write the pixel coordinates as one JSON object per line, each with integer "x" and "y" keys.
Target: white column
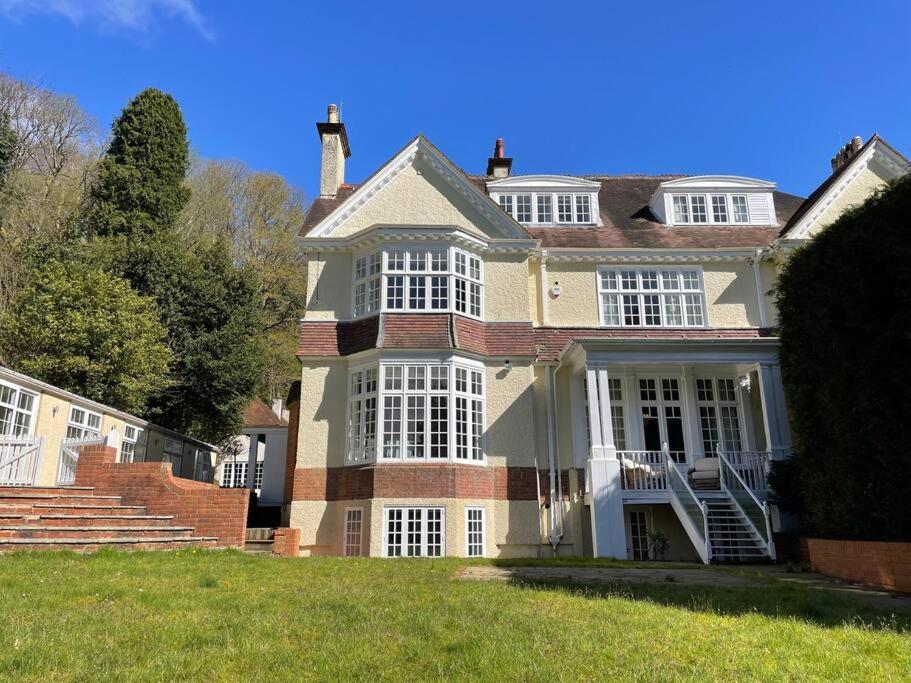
{"x": 746, "y": 416}
{"x": 607, "y": 431}
{"x": 690, "y": 415}
{"x": 635, "y": 440}
{"x": 774, "y": 410}
{"x": 253, "y": 452}
{"x": 608, "y": 529}
{"x": 594, "y": 413}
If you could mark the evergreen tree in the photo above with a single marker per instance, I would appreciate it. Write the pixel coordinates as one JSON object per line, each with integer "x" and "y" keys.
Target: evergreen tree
{"x": 78, "y": 327}
{"x": 140, "y": 189}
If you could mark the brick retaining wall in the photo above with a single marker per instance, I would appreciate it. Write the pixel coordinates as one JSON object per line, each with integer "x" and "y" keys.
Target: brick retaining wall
{"x": 879, "y": 564}
{"x": 210, "y": 510}
{"x": 286, "y": 542}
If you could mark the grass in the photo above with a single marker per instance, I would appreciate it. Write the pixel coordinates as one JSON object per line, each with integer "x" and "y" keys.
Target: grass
{"x": 226, "y": 616}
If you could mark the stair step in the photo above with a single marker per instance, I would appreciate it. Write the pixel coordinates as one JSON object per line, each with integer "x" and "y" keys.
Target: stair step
{"x": 46, "y": 490}
{"x": 88, "y": 545}
{"x": 94, "y": 532}
{"x": 35, "y": 498}
{"x": 84, "y": 509}
{"x": 103, "y": 520}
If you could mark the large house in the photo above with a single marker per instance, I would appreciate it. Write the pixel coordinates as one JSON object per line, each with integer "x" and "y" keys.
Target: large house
{"x": 520, "y": 365}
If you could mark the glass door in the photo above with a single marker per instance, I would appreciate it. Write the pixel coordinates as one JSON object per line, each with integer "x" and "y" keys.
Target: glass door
{"x": 662, "y": 415}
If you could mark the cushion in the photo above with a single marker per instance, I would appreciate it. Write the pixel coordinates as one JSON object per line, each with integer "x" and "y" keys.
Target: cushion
{"x": 707, "y": 465}
{"x": 704, "y": 475}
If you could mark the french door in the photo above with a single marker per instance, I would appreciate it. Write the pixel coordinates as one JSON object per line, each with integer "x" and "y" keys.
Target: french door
{"x": 661, "y": 403}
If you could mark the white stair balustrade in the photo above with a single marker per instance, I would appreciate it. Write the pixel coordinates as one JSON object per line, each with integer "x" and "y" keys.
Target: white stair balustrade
{"x": 691, "y": 511}
{"x": 755, "y": 513}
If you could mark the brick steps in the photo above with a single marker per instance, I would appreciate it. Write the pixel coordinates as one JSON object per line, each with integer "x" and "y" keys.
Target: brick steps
{"x": 74, "y": 518}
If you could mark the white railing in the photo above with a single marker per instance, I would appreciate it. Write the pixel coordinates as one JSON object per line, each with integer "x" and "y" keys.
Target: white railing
{"x": 691, "y": 511}
{"x": 19, "y": 459}
{"x": 754, "y": 511}
{"x": 69, "y": 455}
{"x": 753, "y": 468}
{"x": 643, "y": 470}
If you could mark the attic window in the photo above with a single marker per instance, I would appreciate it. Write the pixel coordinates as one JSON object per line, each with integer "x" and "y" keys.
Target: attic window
{"x": 537, "y": 208}
{"x": 693, "y": 209}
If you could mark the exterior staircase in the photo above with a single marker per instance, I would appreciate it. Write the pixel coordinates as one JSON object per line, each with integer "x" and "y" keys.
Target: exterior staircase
{"x": 730, "y": 534}
{"x": 75, "y": 518}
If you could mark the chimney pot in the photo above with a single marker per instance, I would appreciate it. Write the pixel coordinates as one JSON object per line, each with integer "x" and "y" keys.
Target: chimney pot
{"x": 856, "y": 143}
{"x": 846, "y": 153}
{"x": 332, "y": 114}
{"x": 499, "y": 164}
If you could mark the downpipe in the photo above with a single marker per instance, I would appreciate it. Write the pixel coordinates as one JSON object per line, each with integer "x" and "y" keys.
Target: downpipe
{"x": 555, "y": 535}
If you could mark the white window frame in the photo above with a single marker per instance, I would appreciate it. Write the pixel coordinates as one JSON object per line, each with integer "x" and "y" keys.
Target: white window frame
{"x": 663, "y": 293}
{"x": 509, "y": 202}
{"x": 16, "y": 411}
{"x": 348, "y": 545}
{"x": 720, "y": 405}
{"x": 258, "y": 475}
{"x": 376, "y": 270}
{"x": 424, "y": 532}
{"x": 475, "y": 436}
{"x": 469, "y": 543}
{"x": 708, "y": 197}
{"x": 134, "y": 441}
{"x": 81, "y": 429}
{"x": 647, "y": 525}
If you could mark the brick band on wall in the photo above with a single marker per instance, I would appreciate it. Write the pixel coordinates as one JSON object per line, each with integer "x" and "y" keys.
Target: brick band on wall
{"x": 428, "y": 480}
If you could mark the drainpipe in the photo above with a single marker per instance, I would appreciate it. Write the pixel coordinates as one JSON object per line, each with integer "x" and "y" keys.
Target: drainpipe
{"x": 760, "y": 296}
{"x": 548, "y": 386}
{"x": 544, "y": 306}
{"x": 553, "y": 386}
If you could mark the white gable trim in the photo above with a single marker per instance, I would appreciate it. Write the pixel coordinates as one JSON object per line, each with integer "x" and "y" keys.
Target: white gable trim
{"x": 420, "y": 147}
{"x": 720, "y": 182}
{"x": 545, "y": 183}
{"x": 890, "y": 159}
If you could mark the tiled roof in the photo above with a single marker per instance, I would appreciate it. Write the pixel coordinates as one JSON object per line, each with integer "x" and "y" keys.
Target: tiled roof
{"x": 428, "y": 331}
{"x": 628, "y": 223}
{"x": 258, "y": 414}
{"x": 550, "y": 341}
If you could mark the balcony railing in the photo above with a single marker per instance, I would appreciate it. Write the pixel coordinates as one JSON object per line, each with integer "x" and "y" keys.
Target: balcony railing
{"x": 19, "y": 458}
{"x": 647, "y": 470}
{"x": 752, "y": 466}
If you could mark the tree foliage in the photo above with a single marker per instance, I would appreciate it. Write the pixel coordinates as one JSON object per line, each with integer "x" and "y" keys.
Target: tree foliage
{"x": 845, "y": 322}
{"x": 78, "y": 327}
{"x": 140, "y": 188}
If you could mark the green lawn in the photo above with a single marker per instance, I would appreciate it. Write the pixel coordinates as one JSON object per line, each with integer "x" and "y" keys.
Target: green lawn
{"x": 225, "y": 615}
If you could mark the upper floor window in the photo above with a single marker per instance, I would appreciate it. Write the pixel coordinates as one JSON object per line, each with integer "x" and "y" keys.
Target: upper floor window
{"x": 416, "y": 411}
{"x": 132, "y": 446}
{"x": 17, "y": 410}
{"x": 437, "y": 280}
{"x": 646, "y": 297}
{"x": 537, "y": 208}
{"x": 698, "y": 209}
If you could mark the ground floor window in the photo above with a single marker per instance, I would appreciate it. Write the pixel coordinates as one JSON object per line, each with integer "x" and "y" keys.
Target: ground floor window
{"x": 474, "y": 532}
{"x": 354, "y": 521}
{"x": 234, "y": 475}
{"x": 258, "y": 476}
{"x": 132, "y": 446}
{"x": 638, "y": 526}
{"x": 414, "y": 532}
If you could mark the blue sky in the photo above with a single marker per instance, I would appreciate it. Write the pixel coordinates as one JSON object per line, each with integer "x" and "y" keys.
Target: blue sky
{"x": 768, "y": 90}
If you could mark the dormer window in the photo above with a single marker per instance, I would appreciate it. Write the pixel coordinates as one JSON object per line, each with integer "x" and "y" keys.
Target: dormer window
{"x": 548, "y": 200}
{"x": 693, "y": 209}
{"x": 714, "y": 200}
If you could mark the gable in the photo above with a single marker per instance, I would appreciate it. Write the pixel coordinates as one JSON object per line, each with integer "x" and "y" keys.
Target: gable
{"x": 418, "y": 188}
{"x": 872, "y": 167}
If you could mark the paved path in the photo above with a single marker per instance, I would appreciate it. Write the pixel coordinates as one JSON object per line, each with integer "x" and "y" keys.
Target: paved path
{"x": 595, "y": 575}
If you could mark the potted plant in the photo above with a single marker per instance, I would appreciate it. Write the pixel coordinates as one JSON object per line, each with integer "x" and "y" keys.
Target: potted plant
{"x": 657, "y": 544}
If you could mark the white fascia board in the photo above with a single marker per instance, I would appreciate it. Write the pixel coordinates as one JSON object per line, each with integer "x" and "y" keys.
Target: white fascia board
{"x": 651, "y": 255}
{"x": 650, "y": 351}
{"x": 725, "y": 182}
{"x": 419, "y": 146}
{"x": 38, "y": 386}
{"x": 544, "y": 183}
{"x": 391, "y": 234}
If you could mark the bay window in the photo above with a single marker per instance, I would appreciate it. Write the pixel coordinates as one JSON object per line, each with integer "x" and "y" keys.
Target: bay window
{"x": 435, "y": 280}
{"x": 647, "y": 297}
{"x": 432, "y": 411}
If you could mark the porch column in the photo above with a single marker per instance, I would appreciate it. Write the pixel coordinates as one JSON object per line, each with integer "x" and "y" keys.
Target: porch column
{"x": 252, "y": 453}
{"x": 691, "y": 424}
{"x": 774, "y": 410}
{"x": 608, "y": 530}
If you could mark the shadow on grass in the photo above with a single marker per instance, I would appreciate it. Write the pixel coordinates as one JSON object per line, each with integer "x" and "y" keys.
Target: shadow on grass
{"x": 777, "y": 602}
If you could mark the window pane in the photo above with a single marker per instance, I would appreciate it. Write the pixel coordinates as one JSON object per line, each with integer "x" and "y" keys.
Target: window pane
{"x": 609, "y": 280}
{"x": 461, "y": 427}
{"x": 583, "y": 209}
{"x": 690, "y": 280}
{"x": 392, "y": 374}
{"x": 564, "y": 208}
{"x": 693, "y": 305}
{"x": 670, "y": 280}
{"x": 477, "y": 429}
{"x": 628, "y": 280}
{"x": 730, "y": 426}
{"x": 697, "y": 204}
{"x": 475, "y": 532}
{"x": 417, "y": 293}
{"x": 392, "y": 426}
{"x": 649, "y": 279}
{"x": 506, "y": 203}
{"x": 545, "y": 208}
{"x": 741, "y": 212}
{"x": 439, "y": 426}
{"x": 395, "y": 292}
{"x": 631, "y": 309}
{"x": 394, "y": 532}
{"x": 681, "y": 209}
{"x": 704, "y": 391}
{"x": 415, "y": 432}
{"x": 439, "y": 292}
{"x": 439, "y": 378}
{"x": 417, "y": 261}
{"x": 416, "y": 377}
{"x": 414, "y": 531}
{"x": 523, "y": 208}
{"x": 709, "y": 426}
{"x": 395, "y": 260}
{"x": 434, "y": 536}
{"x": 610, "y": 306}
{"x": 719, "y": 208}
{"x": 461, "y": 380}
{"x": 439, "y": 261}
{"x": 353, "y": 522}
{"x": 651, "y": 309}
{"x": 673, "y": 311}
{"x": 474, "y": 300}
